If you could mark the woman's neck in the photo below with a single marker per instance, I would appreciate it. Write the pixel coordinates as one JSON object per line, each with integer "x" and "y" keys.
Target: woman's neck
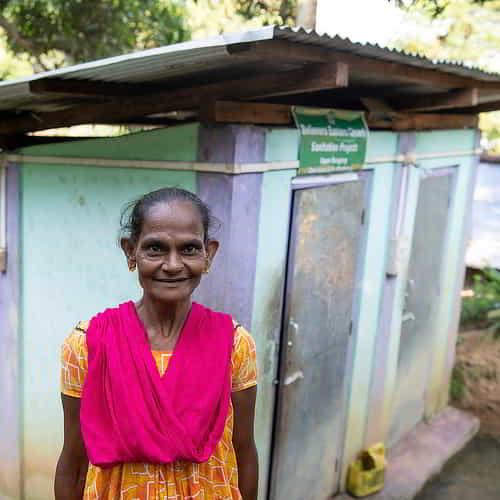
{"x": 163, "y": 322}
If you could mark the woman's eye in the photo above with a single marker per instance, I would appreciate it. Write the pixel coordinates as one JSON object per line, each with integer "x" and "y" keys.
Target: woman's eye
{"x": 191, "y": 249}
{"x": 154, "y": 248}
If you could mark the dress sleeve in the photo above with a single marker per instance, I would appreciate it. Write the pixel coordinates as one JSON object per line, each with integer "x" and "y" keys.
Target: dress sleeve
{"x": 244, "y": 362}
{"x": 74, "y": 361}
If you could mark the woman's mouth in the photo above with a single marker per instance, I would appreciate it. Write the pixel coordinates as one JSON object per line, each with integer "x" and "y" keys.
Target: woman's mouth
{"x": 170, "y": 280}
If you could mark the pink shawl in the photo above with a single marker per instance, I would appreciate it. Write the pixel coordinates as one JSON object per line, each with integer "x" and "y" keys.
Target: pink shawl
{"x": 129, "y": 413}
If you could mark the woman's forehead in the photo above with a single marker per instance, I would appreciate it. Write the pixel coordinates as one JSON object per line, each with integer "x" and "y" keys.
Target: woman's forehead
{"x": 179, "y": 215}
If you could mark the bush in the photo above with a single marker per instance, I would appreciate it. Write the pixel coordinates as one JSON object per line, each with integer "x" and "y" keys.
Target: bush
{"x": 457, "y": 384}
{"x": 484, "y": 306}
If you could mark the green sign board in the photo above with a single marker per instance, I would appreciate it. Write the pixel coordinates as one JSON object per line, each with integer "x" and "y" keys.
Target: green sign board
{"x": 330, "y": 139}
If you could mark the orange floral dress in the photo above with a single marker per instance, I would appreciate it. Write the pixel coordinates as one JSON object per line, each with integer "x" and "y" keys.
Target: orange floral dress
{"x": 216, "y": 479}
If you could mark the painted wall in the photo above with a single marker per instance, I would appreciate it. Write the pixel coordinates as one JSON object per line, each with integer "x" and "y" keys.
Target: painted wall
{"x": 446, "y": 312}
{"x": 10, "y": 343}
{"x": 175, "y": 143}
{"x": 272, "y": 247}
{"x": 72, "y": 266}
{"x": 452, "y": 275}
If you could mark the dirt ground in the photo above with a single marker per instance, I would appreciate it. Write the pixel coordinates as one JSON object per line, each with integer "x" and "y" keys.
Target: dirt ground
{"x": 473, "y": 473}
{"x": 477, "y": 377}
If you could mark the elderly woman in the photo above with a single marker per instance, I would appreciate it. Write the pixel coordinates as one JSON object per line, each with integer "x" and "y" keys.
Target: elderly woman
{"x": 159, "y": 395}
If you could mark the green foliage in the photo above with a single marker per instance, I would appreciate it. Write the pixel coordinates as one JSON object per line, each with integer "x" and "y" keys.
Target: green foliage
{"x": 81, "y": 30}
{"x": 458, "y": 30}
{"x": 484, "y": 305}
{"x": 434, "y": 8}
{"x": 54, "y": 33}
{"x": 212, "y": 17}
{"x": 457, "y": 384}
{"x": 464, "y": 31}
{"x": 489, "y": 123}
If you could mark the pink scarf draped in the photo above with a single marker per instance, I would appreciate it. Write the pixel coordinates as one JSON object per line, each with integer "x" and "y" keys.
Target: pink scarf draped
{"x": 129, "y": 413}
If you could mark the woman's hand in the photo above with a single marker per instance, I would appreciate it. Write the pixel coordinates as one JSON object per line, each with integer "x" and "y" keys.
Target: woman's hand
{"x": 73, "y": 463}
{"x": 244, "y": 443}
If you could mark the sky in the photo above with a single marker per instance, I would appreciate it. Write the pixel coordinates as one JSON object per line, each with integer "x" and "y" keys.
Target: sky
{"x": 374, "y": 21}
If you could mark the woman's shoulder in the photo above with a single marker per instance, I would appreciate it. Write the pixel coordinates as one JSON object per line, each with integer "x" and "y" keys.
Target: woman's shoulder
{"x": 76, "y": 339}
{"x": 243, "y": 339}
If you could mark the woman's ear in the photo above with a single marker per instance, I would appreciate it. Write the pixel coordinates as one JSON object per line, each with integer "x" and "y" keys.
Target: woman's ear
{"x": 129, "y": 250}
{"x": 212, "y": 246}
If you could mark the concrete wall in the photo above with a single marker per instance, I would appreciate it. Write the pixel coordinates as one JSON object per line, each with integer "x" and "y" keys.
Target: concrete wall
{"x": 445, "y": 317}
{"x": 72, "y": 266}
{"x": 10, "y": 350}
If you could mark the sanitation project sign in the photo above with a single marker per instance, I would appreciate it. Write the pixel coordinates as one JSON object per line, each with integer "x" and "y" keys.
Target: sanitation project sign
{"x": 330, "y": 140}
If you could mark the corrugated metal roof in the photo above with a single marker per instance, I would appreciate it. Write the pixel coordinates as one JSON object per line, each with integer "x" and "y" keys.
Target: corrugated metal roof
{"x": 182, "y": 58}
{"x": 203, "y": 59}
{"x": 375, "y": 51}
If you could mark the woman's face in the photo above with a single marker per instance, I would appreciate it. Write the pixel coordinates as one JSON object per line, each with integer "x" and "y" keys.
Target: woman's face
{"x": 171, "y": 253}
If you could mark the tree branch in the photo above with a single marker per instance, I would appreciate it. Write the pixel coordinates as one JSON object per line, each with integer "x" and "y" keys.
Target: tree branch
{"x": 16, "y": 37}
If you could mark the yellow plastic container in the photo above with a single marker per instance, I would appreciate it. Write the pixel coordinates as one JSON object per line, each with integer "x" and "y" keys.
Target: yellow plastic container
{"x": 366, "y": 474}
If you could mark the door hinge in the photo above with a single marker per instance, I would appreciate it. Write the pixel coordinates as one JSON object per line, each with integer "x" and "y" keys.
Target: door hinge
{"x": 350, "y": 328}
{"x": 336, "y": 465}
{"x": 362, "y": 216}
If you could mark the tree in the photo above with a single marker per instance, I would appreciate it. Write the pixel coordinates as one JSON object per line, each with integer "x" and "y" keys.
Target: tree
{"x": 435, "y": 8}
{"x": 60, "y": 32}
{"x": 459, "y": 30}
{"x": 212, "y": 17}
{"x": 56, "y": 33}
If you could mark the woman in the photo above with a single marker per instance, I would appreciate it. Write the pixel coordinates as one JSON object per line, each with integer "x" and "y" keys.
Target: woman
{"x": 159, "y": 395}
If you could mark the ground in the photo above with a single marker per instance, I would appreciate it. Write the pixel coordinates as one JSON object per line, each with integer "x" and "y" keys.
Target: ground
{"x": 477, "y": 377}
{"x": 473, "y": 473}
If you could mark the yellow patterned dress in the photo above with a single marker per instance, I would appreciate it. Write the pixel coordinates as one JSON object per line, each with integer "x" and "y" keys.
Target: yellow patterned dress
{"x": 216, "y": 479}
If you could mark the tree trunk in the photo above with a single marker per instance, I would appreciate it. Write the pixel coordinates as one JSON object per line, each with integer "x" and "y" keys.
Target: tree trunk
{"x": 306, "y": 13}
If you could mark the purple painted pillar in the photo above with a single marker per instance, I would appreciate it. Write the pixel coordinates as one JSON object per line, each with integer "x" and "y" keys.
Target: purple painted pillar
{"x": 10, "y": 384}
{"x": 235, "y": 201}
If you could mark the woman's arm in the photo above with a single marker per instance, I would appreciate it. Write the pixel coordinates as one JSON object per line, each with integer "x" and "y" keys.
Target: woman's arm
{"x": 244, "y": 443}
{"x": 73, "y": 463}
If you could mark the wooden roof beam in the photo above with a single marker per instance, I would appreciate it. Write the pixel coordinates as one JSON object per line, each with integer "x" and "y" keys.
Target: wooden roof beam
{"x": 309, "y": 79}
{"x": 280, "y": 114}
{"x": 246, "y": 112}
{"x": 294, "y": 53}
{"x": 460, "y": 98}
{"x": 423, "y": 121}
{"x": 86, "y": 88}
{"x": 484, "y": 107}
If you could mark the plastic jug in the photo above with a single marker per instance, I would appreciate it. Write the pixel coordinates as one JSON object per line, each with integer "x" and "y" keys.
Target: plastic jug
{"x": 366, "y": 474}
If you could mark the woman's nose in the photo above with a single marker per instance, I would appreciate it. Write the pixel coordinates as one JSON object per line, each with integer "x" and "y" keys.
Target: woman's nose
{"x": 172, "y": 263}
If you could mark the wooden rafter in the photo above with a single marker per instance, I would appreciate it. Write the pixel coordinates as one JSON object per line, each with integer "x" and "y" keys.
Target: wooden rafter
{"x": 308, "y": 79}
{"x": 460, "y": 98}
{"x": 280, "y": 114}
{"x": 86, "y": 88}
{"x": 423, "y": 121}
{"x": 294, "y": 53}
{"x": 484, "y": 107}
{"x": 246, "y": 112}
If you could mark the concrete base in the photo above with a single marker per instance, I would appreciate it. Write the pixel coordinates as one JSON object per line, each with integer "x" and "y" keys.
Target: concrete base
{"x": 423, "y": 453}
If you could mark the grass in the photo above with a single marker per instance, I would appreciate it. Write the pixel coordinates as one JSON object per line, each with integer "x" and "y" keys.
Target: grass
{"x": 457, "y": 385}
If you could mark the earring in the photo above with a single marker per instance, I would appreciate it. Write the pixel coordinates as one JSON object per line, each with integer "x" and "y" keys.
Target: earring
{"x": 131, "y": 267}
{"x": 207, "y": 266}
